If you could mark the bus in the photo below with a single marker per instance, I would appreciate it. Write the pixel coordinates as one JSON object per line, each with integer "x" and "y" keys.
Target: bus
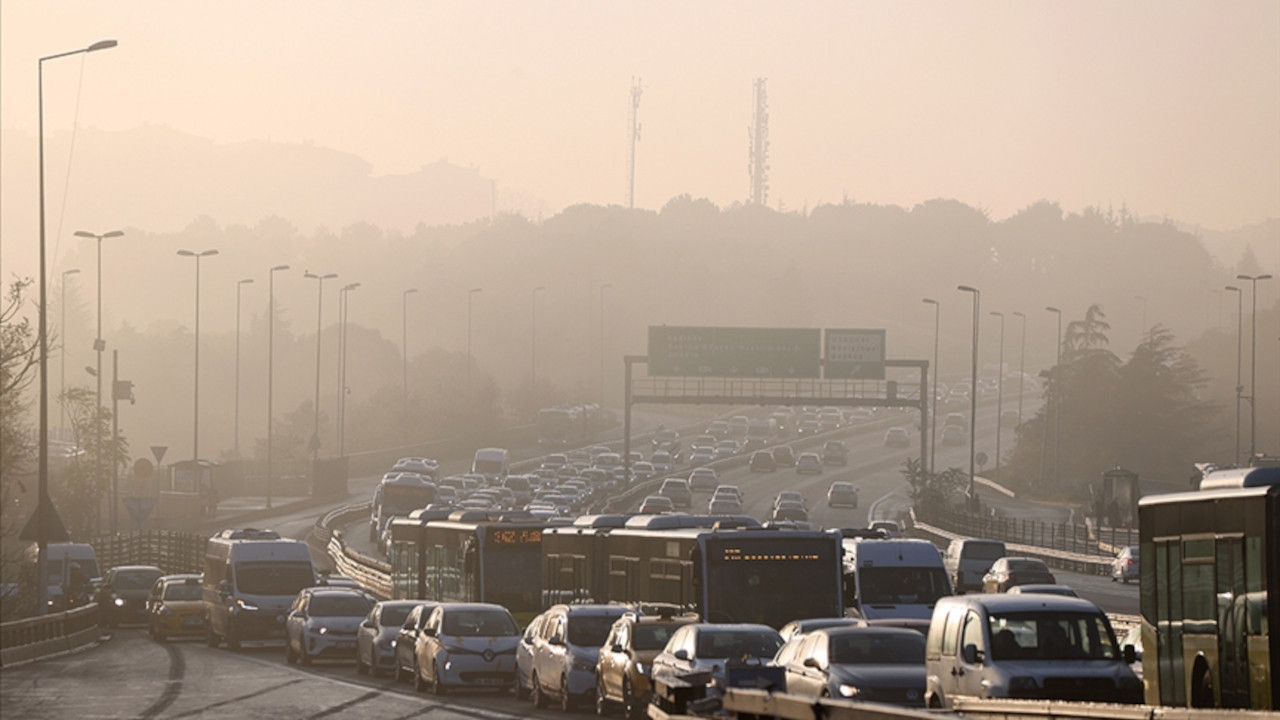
{"x": 399, "y": 494}
{"x": 725, "y": 575}
{"x": 474, "y": 556}
{"x": 1210, "y": 561}
{"x": 568, "y": 425}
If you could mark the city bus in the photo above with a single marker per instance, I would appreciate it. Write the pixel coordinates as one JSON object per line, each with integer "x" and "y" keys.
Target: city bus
{"x": 725, "y": 575}
{"x": 1210, "y": 562}
{"x": 397, "y": 495}
{"x": 474, "y": 556}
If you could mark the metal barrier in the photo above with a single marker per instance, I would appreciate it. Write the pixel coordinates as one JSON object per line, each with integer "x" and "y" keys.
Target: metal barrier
{"x": 25, "y": 640}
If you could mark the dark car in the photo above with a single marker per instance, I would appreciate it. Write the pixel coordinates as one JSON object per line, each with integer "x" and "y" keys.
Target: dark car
{"x": 873, "y": 664}
{"x": 762, "y": 461}
{"x": 406, "y": 658}
{"x": 122, "y": 596}
{"x": 376, "y": 638}
{"x": 835, "y": 452}
{"x": 1010, "y": 571}
{"x": 784, "y": 456}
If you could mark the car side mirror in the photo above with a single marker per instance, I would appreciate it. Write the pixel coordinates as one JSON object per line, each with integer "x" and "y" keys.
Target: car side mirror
{"x": 682, "y": 654}
{"x": 811, "y": 662}
{"x": 970, "y": 654}
{"x": 367, "y": 624}
{"x": 555, "y": 640}
{"x": 1130, "y": 654}
{"x": 615, "y": 648}
{"x": 429, "y": 631}
{"x": 224, "y": 588}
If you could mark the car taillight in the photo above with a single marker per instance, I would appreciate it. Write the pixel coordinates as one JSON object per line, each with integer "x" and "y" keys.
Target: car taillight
{"x": 1130, "y": 562}
{"x": 1052, "y": 580}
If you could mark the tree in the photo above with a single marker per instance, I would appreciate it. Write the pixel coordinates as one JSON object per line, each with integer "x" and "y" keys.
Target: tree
{"x": 79, "y": 490}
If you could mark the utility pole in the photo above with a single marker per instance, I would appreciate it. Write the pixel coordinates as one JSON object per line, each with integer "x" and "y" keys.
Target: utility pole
{"x": 634, "y": 124}
{"x": 758, "y": 136}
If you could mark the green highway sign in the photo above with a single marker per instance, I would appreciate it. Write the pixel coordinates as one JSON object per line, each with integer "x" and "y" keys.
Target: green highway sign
{"x": 854, "y": 354}
{"x": 734, "y": 352}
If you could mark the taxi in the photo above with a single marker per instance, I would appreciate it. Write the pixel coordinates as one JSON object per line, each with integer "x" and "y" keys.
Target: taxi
{"x": 175, "y": 607}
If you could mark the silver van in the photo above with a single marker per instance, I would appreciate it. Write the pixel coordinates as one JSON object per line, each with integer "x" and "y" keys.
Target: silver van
{"x": 968, "y": 559}
{"x": 1038, "y": 647}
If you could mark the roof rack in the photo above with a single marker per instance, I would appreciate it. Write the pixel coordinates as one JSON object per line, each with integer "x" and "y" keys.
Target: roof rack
{"x": 248, "y": 534}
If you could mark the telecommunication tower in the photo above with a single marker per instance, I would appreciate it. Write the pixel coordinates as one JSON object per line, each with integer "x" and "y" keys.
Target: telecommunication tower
{"x": 758, "y": 135}
{"x": 634, "y": 137}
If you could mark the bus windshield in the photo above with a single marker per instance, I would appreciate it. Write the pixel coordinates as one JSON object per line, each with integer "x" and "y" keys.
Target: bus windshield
{"x": 754, "y": 580}
{"x": 513, "y": 576}
{"x": 404, "y": 499}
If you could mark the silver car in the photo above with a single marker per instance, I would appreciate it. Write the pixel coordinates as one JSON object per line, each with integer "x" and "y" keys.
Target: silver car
{"x": 376, "y": 638}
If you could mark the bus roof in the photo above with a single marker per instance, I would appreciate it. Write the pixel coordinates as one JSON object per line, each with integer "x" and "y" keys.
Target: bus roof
{"x": 1241, "y": 478}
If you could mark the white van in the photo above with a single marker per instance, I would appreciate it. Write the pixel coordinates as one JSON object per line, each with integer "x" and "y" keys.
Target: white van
{"x": 968, "y": 559}
{"x": 251, "y": 578}
{"x": 899, "y": 578}
{"x": 492, "y": 463}
{"x": 1043, "y": 647}
{"x": 72, "y": 569}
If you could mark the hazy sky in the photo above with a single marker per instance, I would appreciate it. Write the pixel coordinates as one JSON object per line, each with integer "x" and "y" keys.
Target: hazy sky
{"x": 1172, "y": 108}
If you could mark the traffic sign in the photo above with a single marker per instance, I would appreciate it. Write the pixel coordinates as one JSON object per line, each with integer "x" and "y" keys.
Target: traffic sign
{"x": 159, "y": 451}
{"x": 139, "y": 508}
{"x": 734, "y": 352}
{"x": 143, "y": 468}
{"x": 854, "y": 354}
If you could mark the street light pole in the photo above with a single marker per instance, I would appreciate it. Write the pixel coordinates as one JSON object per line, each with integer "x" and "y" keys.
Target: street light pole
{"x": 271, "y": 364}
{"x": 44, "y": 506}
{"x": 404, "y": 345}
{"x": 1253, "y": 365}
{"x": 1239, "y": 361}
{"x": 1057, "y": 404}
{"x": 533, "y": 342}
{"x": 62, "y": 390}
{"x": 603, "y": 287}
{"x": 315, "y": 433}
{"x": 930, "y": 415}
{"x": 239, "y": 286}
{"x": 470, "y": 294}
{"x": 1022, "y": 363}
{"x": 973, "y": 388}
{"x": 195, "y": 439}
{"x": 344, "y": 301}
{"x": 98, "y": 346}
{"x": 999, "y": 393}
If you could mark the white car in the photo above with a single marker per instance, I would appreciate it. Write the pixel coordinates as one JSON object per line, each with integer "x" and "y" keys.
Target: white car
{"x": 471, "y": 645}
{"x": 323, "y": 622}
{"x": 563, "y": 653}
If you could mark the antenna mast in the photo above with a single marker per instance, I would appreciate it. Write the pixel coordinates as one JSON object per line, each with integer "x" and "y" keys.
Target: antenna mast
{"x": 758, "y": 136}
{"x": 634, "y": 126}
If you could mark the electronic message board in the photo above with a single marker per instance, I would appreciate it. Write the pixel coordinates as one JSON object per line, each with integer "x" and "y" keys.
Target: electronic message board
{"x": 734, "y": 352}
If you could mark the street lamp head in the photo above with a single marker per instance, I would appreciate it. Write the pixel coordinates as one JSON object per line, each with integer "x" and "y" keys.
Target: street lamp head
{"x": 313, "y": 276}
{"x": 90, "y": 369}
{"x": 966, "y": 288}
{"x": 72, "y": 271}
{"x": 410, "y": 291}
{"x": 997, "y": 313}
{"x": 1053, "y": 310}
{"x": 245, "y": 281}
{"x": 95, "y": 236}
{"x": 278, "y": 268}
{"x": 931, "y": 301}
{"x": 101, "y": 45}
{"x": 1018, "y": 313}
{"x": 351, "y": 286}
{"x": 475, "y": 290}
{"x": 540, "y": 287}
{"x": 1232, "y": 288}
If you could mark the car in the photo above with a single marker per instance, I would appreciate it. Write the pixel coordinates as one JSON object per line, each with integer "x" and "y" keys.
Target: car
{"x": 377, "y": 636}
{"x": 322, "y": 623}
{"x": 406, "y": 655}
{"x": 122, "y": 595}
{"x": 897, "y": 437}
{"x": 1010, "y": 571}
{"x": 968, "y": 559}
{"x": 796, "y": 628}
{"x": 702, "y": 454}
{"x": 784, "y": 456}
{"x": 861, "y": 414}
{"x": 953, "y": 435}
{"x": 890, "y": 529}
{"x": 808, "y": 427}
{"x": 738, "y": 425}
{"x": 467, "y": 645}
{"x": 708, "y": 647}
{"x": 789, "y": 496}
{"x": 703, "y": 478}
{"x": 790, "y": 512}
{"x": 625, "y": 662}
{"x": 808, "y": 462}
{"x": 663, "y": 462}
{"x": 726, "y": 448}
{"x": 1125, "y": 565}
{"x": 762, "y": 461}
{"x": 643, "y": 470}
{"x": 733, "y": 490}
{"x": 724, "y": 505}
{"x": 1030, "y": 647}
{"x": 842, "y": 493}
{"x": 718, "y": 428}
{"x": 871, "y": 664}
{"x": 656, "y": 504}
{"x": 959, "y": 420}
{"x": 565, "y": 652}
{"x": 175, "y": 607}
{"x": 678, "y": 490}
{"x": 1043, "y": 589}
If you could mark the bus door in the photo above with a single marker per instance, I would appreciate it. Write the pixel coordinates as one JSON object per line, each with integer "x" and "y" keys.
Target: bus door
{"x": 1232, "y": 646}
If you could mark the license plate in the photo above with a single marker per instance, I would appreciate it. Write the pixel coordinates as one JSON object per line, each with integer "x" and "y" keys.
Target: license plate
{"x": 192, "y": 622}
{"x": 490, "y": 681}
{"x": 344, "y": 644}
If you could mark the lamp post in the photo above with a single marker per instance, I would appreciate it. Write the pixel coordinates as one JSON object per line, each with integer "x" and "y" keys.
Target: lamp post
{"x": 1239, "y": 362}
{"x": 1022, "y": 361}
{"x": 195, "y": 438}
{"x": 271, "y": 364}
{"x": 315, "y": 433}
{"x": 931, "y": 412}
{"x": 239, "y": 286}
{"x": 1057, "y": 403}
{"x": 973, "y": 387}
{"x": 98, "y": 346}
{"x": 470, "y": 294}
{"x": 533, "y": 342}
{"x": 44, "y": 506}
{"x": 1253, "y": 365}
{"x": 404, "y": 345}
{"x": 343, "y": 301}
{"x": 999, "y": 393}
{"x": 603, "y": 287}
{"x": 62, "y": 389}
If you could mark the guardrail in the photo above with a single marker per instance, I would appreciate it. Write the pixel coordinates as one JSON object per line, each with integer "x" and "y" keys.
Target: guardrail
{"x": 26, "y": 640}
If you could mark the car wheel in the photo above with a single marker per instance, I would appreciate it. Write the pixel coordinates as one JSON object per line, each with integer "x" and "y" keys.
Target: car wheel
{"x": 158, "y": 635}
{"x": 631, "y": 707}
{"x": 289, "y": 657}
{"x": 437, "y": 684}
{"x": 303, "y": 656}
{"x": 522, "y": 692}
{"x": 361, "y": 668}
{"x": 419, "y": 683}
{"x": 233, "y": 642}
{"x": 602, "y": 702}
{"x": 1126, "y": 580}
{"x": 211, "y": 638}
{"x": 399, "y": 672}
{"x": 535, "y": 693}
{"x": 566, "y": 698}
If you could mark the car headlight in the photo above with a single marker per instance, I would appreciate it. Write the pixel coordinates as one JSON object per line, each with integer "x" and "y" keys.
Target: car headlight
{"x": 392, "y": 644}
{"x": 165, "y": 611}
{"x": 643, "y": 669}
{"x": 849, "y": 691}
{"x": 119, "y": 602}
{"x": 245, "y": 605}
{"x": 322, "y": 630}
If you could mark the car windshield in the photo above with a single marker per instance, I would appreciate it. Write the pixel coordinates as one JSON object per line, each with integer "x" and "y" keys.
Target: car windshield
{"x": 344, "y": 605}
{"x": 182, "y": 591}
{"x": 870, "y": 648}
{"x": 1027, "y": 565}
{"x": 902, "y": 585}
{"x": 274, "y": 579}
{"x": 983, "y": 551}
{"x": 479, "y": 623}
{"x": 651, "y": 637}
{"x": 1059, "y": 636}
{"x": 394, "y": 615}
{"x": 136, "y": 579}
{"x": 589, "y": 630}
{"x": 734, "y": 644}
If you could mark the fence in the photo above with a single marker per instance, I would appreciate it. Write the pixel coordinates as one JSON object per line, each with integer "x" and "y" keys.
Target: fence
{"x": 169, "y": 550}
{"x": 1078, "y": 538}
{"x": 37, "y": 637}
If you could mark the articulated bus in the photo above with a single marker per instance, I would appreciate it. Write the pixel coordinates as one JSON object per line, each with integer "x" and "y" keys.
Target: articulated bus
{"x": 471, "y": 557}
{"x": 1210, "y": 563}
{"x": 751, "y": 575}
